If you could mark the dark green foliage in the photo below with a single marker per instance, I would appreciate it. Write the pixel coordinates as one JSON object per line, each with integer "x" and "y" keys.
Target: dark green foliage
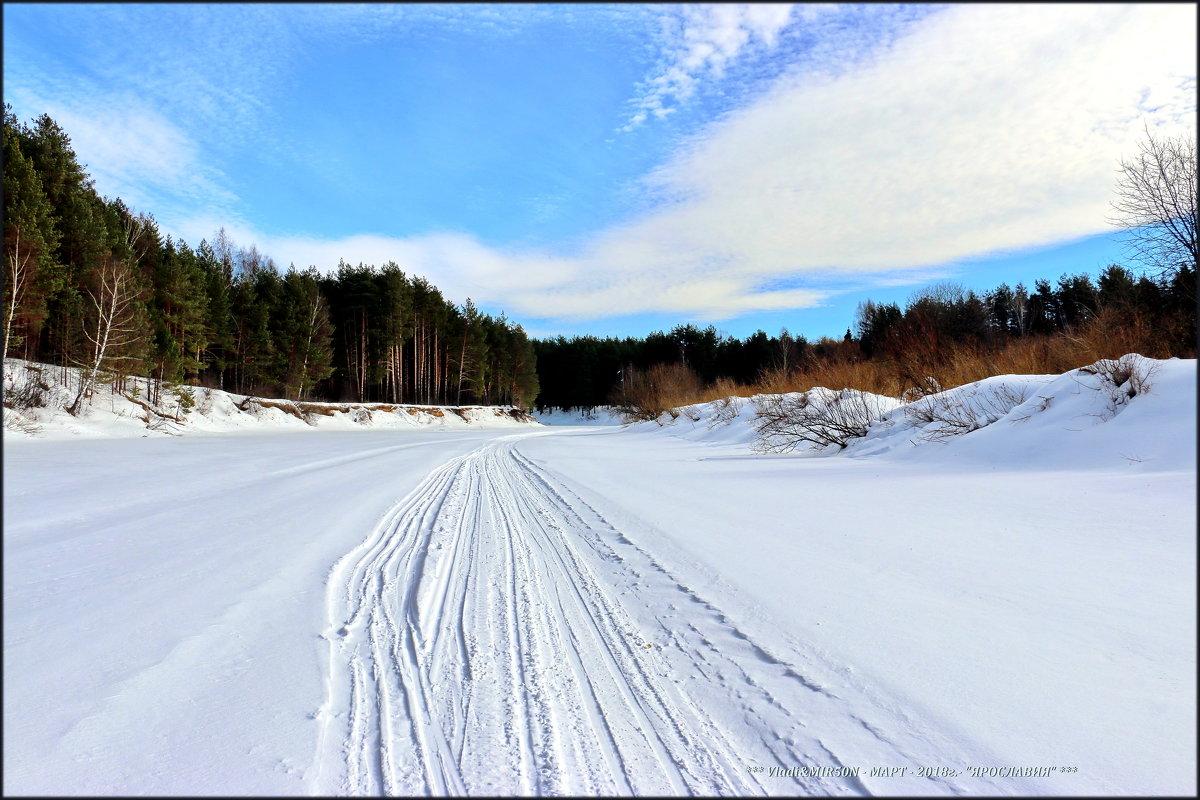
{"x": 876, "y": 325}
{"x": 32, "y": 273}
{"x": 1004, "y": 312}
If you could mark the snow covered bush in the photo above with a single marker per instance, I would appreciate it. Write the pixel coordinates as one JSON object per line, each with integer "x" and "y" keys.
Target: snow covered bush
{"x": 1121, "y": 379}
{"x": 818, "y": 417}
{"x": 25, "y": 391}
{"x": 1128, "y": 375}
{"x": 964, "y": 409}
{"x": 725, "y": 411}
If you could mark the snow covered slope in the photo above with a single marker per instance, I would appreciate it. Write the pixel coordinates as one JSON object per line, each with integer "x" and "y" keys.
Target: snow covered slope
{"x": 193, "y": 409}
{"x": 1080, "y": 418}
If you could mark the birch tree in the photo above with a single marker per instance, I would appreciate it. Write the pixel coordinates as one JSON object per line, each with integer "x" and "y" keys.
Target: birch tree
{"x": 113, "y": 323}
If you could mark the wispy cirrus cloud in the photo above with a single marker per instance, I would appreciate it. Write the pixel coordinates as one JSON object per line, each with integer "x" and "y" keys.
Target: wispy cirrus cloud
{"x": 700, "y": 43}
{"x": 142, "y": 157}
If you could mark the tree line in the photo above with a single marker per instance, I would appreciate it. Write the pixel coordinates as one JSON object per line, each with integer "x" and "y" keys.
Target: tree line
{"x": 938, "y": 326}
{"x": 89, "y": 283}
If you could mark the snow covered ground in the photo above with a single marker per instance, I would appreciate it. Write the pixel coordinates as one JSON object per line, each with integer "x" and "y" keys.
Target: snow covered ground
{"x": 651, "y": 609}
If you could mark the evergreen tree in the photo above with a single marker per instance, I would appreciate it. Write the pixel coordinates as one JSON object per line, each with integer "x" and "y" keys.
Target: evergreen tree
{"x": 31, "y": 272}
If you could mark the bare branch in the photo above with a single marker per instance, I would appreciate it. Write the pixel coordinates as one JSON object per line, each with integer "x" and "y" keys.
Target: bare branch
{"x": 1156, "y": 204}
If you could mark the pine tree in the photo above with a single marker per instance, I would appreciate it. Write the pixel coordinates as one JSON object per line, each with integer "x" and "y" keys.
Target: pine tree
{"x": 31, "y": 273}
{"x": 217, "y": 281}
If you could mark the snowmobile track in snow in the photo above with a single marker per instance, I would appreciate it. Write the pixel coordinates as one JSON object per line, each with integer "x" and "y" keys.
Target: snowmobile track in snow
{"x": 496, "y": 635}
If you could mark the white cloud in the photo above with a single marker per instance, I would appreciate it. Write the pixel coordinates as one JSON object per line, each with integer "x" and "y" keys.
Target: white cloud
{"x": 984, "y": 128}
{"x": 988, "y": 127}
{"x": 709, "y": 38}
{"x": 140, "y": 156}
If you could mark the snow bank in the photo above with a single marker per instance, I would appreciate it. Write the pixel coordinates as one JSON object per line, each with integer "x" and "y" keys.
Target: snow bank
{"x": 195, "y": 409}
{"x": 1130, "y": 412}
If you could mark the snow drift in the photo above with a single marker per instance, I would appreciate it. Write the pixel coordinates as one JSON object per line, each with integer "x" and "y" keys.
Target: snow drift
{"x": 1116, "y": 412}
{"x": 36, "y": 396}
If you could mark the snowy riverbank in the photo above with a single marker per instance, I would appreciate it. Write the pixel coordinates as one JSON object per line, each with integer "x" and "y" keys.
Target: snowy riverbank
{"x": 192, "y": 409}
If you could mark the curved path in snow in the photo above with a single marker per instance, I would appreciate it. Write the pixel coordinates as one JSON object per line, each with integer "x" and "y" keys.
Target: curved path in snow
{"x": 496, "y": 635}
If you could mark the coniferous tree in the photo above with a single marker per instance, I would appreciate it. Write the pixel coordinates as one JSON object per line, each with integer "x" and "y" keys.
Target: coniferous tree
{"x": 31, "y": 272}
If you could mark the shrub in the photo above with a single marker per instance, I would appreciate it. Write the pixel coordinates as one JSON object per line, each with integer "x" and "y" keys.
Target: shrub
{"x": 662, "y": 388}
{"x": 1115, "y": 331}
{"x": 956, "y": 412}
{"x": 818, "y": 417}
{"x": 185, "y": 397}
{"x": 1122, "y": 379}
{"x": 26, "y": 391}
{"x": 725, "y": 411}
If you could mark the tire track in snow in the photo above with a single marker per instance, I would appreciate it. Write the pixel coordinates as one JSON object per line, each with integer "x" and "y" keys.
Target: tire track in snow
{"x": 496, "y": 635}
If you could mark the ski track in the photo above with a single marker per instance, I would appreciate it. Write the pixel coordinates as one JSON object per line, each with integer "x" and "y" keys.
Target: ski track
{"x": 496, "y": 635}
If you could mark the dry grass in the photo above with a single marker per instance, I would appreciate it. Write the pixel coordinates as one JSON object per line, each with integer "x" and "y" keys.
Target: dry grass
{"x": 1112, "y": 334}
{"x": 876, "y": 376}
{"x": 723, "y": 388}
{"x": 660, "y": 389}
{"x": 664, "y": 388}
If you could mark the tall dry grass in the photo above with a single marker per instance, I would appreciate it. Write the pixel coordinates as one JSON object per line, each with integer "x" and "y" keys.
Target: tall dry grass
{"x": 1111, "y": 334}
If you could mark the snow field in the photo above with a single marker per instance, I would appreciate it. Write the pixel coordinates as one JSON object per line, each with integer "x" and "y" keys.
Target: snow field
{"x": 164, "y": 599}
{"x": 496, "y": 635}
{"x": 607, "y": 610}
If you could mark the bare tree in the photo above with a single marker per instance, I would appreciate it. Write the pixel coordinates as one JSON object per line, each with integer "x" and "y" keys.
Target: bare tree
{"x": 1156, "y": 203}
{"x": 17, "y": 269}
{"x": 113, "y": 325}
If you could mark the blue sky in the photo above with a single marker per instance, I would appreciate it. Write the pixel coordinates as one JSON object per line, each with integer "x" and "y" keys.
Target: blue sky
{"x": 617, "y": 169}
